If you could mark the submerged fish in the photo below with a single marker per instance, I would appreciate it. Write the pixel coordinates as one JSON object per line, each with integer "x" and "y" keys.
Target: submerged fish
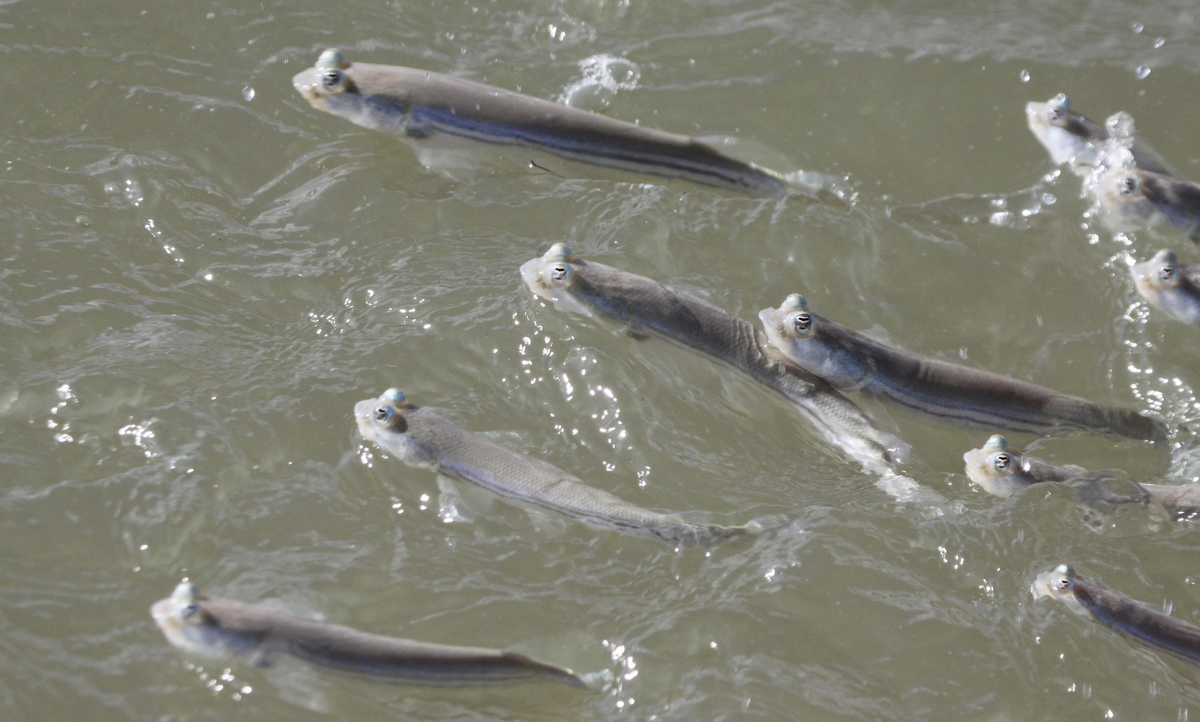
{"x": 1128, "y": 194}
{"x": 421, "y": 105}
{"x": 1172, "y": 286}
{"x": 225, "y": 629}
{"x": 1071, "y": 138}
{"x": 1118, "y": 612}
{"x": 936, "y": 389}
{"x": 421, "y": 438}
{"x": 639, "y": 303}
{"x": 1003, "y": 471}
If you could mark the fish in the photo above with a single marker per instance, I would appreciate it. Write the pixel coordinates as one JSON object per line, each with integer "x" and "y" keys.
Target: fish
{"x": 1003, "y": 471}
{"x": 1128, "y": 194}
{"x": 227, "y": 630}
{"x": 423, "y": 439}
{"x": 422, "y": 105}
{"x": 1118, "y": 612}
{"x": 1172, "y": 286}
{"x": 941, "y": 391}
{"x": 642, "y": 304}
{"x": 1070, "y": 137}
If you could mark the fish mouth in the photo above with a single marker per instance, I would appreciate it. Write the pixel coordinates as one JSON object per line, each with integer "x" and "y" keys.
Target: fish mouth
{"x": 363, "y": 414}
{"x": 976, "y": 463}
{"x": 1034, "y": 113}
{"x": 306, "y": 83}
{"x": 531, "y": 274}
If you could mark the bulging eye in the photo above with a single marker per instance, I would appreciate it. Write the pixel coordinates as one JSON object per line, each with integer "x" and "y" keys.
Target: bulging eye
{"x": 189, "y": 610}
{"x": 382, "y": 413}
{"x": 802, "y": 322}
{"x": 1056, "y": 113}
{"x": 1128, "y": 185}
{"x": 1002, "y": 462}
{"x": 1166, "y": 273}
{"x": 560, "y": 272}
{"x": 331, "y": 78}
{"x": 1062, "y": 584}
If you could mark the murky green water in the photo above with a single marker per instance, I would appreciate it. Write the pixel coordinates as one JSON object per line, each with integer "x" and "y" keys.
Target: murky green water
{"x": 199, "y": 276}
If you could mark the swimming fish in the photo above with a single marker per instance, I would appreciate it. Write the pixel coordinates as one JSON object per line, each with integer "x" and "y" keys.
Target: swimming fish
{"x": 1118, "y": 612}
{"x": 1127, "y": 193}
{"x": 226, "y": 630}
{"x": 421, "y": 438}
{"x": 421, "y": 105}
{"x": 1172, "y": 286}
{"x": 1071, "y": 137}
{"x": 936, "y": 389}
{"x": 639, "y": 303}
{"x": 1003, "y": 471}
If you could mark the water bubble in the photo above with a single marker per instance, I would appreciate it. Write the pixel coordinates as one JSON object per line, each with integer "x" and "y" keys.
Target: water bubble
{"x": 1142, "y": 72}
{"x": 248, "y": 93}
{"x": 1137, "y": 27}
{"x": 1024, "y": 76}
{"x": 1159, "y": 42}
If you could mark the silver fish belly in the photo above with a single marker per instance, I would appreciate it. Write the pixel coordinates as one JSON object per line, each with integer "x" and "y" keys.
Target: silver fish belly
{"x": 1072, "y": 138}
{"x": 639, "y": 303}
{"x": 1120, "y": 613}
{"x": 938, "y": 390}
{"x": 1129, "y": 194}
{"x": 418, "y": 104}
{"x": 422, "y": 438}
{"x": 226, "y": 630}
{"x": 1170, "y": 285}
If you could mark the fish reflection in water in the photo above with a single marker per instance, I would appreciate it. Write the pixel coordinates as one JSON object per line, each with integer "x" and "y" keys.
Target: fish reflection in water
{"x": 433, "y": 109}
{"x": 228, "y": 630}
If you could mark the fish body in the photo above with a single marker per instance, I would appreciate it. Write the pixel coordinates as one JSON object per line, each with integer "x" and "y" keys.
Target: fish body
{"x": 639, "y": 303}
{"x": 420, "y": 105}
{"x": 1070, "y": 137}
{"x": 938, "y": 390}
{"x": 1120, "y": 613}
{"x": 1131, "y": 197}
{"x": 422, "y": 438}
{"x": 226, "y": 629}
{"x": 1172, "y": 286}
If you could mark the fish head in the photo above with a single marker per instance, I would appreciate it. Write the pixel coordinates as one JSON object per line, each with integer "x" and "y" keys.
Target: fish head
{"x": 996, "y": 468}
{"x": 188, "y": 625}
{"x": 1159, "y": 274}
{"x": 1062, "y": 131}
{"x": 358, "y": 93}
{"x": 384, "y": 420}
{"x": 552, "y": 277}
{"x": 1118, "y": 189}
{"x": 1058, "y": 583}
{"x": 803, "y": 338}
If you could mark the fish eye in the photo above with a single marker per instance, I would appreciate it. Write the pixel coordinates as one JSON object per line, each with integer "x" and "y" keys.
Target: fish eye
{"x": 1062, "y": 584}
{"x": 331, "y": 78}
{"x": 1057, "y": 113}
{"x": 560, "y": 272}
{"x": 1128, "y": 185}
{"x": 382, "y": 413}
{"x": 1166, "y": 273}
{"x": 1002, "y": 462}
{"x": 189, "y": 610}
{"x": 802, "y": 322}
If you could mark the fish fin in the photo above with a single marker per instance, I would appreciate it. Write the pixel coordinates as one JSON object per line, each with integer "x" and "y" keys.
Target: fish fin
{"x": 451, "y": 507}
{"x": 416, "y": 130}
{"x": 545, "y": 523}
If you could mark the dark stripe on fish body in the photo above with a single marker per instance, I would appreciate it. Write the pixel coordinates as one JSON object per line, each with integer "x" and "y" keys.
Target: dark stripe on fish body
{"x": 1137, "y": 620}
